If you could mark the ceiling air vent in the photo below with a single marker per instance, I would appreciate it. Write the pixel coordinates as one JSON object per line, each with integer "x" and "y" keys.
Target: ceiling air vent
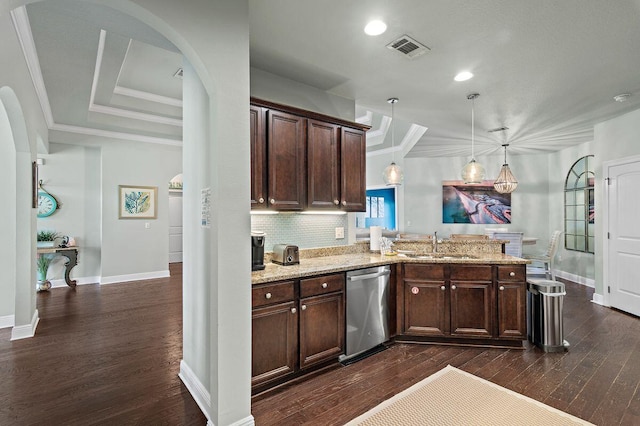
{"x": 407, "y": 46}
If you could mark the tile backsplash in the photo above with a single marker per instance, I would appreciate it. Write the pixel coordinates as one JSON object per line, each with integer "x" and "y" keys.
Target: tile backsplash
{"x": 303, "y": 230}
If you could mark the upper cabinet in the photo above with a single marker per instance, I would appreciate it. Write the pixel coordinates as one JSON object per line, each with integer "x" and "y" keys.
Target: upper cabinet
{"x": 303, "y": 160}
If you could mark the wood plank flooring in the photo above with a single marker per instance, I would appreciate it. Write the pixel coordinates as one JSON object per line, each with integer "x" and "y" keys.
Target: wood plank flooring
{"x": 110, "y": 356}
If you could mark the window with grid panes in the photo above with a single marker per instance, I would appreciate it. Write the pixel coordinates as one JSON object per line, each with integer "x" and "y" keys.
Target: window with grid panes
{"x": 579, "y": 227}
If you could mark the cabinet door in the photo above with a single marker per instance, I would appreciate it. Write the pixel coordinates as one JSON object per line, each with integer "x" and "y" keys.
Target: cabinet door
{"x": 425, "y": 308}
{"x": 286, "y": 161}
{"x": 353, "y": 145}
{"x": 322, "y": 328}
{"x": 471, "y": 308}
{"x": 512, "y": 304}
{"x": 323, "y": 166}
{"x": 258, "y": 158}
{"x": 274, "y": 342}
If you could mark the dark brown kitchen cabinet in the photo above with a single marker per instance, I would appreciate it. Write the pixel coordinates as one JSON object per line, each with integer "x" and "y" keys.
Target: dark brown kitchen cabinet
{"x": 353, "y": 146}
{"x": 258, "y": 157}
{"x": 274, "y": 333}
{"x": 471, "y": 300}
{"x": 425, "y": 294}
{"x": 512, "y": 295}
{"x": 464, "y": 303}
{"x": 286, "y": 160}
{"x": 297, "y": 327}
{"x": 323, "y": 165}
{"x": 304, "y": 160}
{"x": 322, "y": 321}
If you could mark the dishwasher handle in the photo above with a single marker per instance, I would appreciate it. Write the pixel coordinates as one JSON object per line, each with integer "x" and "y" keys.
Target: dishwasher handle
{"x": 368, "y": 276}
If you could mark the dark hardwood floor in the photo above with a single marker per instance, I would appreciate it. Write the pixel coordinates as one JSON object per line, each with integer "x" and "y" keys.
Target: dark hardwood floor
{"x": 110, "y": 356}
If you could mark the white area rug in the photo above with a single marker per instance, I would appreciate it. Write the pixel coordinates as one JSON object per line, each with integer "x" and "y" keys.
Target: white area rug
{"x": 455, "y": 397}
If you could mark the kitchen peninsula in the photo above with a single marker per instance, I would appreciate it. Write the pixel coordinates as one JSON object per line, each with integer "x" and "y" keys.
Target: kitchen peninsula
{"x": 469, "y": 293}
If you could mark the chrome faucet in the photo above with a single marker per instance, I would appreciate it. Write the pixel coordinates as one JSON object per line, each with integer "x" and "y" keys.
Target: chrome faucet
{"x": 435, "y": 241}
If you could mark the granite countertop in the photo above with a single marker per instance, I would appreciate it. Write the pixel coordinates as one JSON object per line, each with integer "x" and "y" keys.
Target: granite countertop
{"x": 346, "y": 262}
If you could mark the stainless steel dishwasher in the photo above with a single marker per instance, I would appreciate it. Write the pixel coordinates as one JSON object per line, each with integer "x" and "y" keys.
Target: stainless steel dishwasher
{"x": 367, "y": 311}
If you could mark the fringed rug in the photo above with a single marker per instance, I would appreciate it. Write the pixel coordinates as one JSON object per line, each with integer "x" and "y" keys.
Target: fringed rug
{"x": 455, "y": 397}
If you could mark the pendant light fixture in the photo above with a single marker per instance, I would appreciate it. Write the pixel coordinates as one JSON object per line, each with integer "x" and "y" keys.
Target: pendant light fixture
{"x": 473, "y": 172}
{"x": 393, "y": 175}
{"x": 506, "y": 182}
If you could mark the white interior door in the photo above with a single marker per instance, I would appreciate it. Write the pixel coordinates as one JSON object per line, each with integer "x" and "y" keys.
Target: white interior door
{"x": 624, "y": 236}
{"x": 175, "y": 226}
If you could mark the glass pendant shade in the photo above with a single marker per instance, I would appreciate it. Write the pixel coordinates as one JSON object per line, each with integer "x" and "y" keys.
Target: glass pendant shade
{"x": 506, "y": 181}
{"x": 393, "y": 175}
{"x": 473, "y": 172}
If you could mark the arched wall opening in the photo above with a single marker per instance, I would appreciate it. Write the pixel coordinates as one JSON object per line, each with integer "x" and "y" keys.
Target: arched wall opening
{"x": 219, "y": 353}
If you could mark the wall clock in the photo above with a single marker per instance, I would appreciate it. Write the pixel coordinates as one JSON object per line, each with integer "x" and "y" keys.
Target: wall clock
{"x": 47, "y": 204}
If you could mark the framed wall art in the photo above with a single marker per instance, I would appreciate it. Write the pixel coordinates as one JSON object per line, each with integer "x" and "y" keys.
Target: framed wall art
{"x": 137, "y": 202}
{"x": 477, "y": 203}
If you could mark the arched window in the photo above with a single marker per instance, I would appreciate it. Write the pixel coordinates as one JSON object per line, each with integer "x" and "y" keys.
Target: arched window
{"x": 579, "y": 228}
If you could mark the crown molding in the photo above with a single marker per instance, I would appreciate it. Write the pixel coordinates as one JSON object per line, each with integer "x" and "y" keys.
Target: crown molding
{"x": 378, "y": 135}
{"x": 23, "y": 31}
{"x": 114, "y": 135}
{"x": 146, "y": 96}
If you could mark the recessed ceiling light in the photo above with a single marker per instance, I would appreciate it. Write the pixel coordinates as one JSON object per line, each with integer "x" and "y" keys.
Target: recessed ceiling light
{"x": 375, "y": 28}
{"x": 463, "y": 76}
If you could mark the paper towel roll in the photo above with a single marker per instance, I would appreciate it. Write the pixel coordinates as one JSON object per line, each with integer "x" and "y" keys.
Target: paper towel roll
{"x": 374, "y": 238}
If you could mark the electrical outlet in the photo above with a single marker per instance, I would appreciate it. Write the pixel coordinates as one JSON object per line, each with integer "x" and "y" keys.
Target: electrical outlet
{"x": 339, "y": 233}
{"x": 147, "y": 225}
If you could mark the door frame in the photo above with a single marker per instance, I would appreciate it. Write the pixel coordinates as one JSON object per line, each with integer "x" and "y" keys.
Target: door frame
{"x": 605, "y": 221}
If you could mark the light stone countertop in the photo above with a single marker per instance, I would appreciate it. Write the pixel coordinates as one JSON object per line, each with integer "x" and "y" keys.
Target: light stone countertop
{"x": 313, "y": 266}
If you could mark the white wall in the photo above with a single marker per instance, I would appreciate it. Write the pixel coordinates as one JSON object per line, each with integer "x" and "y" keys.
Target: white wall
{"x": 614, "y": 139}
{"x": 71, "y": 174}
{"x": 274, "y": 88}
{"x": 7, "y": 220}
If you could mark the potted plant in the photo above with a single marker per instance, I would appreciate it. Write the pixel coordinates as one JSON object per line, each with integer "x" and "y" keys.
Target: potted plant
{"x": 42, "y": 266}
{"x": 47, "y": 238}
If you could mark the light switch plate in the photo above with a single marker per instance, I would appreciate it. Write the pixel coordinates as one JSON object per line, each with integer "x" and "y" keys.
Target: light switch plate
{"x": 339, "y": 233}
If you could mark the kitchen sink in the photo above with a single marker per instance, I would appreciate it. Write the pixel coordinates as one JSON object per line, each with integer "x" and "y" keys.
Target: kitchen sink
{"x": 438, "y": 256}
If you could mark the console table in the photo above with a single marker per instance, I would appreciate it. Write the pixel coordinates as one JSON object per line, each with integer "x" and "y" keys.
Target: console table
{"x": 71, "y": 253}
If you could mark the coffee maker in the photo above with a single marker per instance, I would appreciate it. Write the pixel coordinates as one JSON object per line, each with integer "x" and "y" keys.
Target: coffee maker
{"x": 257, "y": 250}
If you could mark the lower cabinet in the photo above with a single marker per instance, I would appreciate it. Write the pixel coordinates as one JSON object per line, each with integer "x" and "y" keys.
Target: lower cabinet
{"x": 473, "y": 302}
{"x": 296, "y": 327}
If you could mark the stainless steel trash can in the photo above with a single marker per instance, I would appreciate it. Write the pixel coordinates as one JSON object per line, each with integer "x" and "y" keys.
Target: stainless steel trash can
{"x": 545, "y": 299}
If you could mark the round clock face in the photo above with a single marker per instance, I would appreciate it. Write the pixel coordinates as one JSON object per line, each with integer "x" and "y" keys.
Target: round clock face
{"x": 46, "y": 204}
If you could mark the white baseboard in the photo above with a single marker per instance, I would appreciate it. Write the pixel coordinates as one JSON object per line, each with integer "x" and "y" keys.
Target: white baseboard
{"x": 7, "y": 321}
{"x": 26, "y": 331}
{"x": 589, "y": 282}
{"x": 197, "y": 390}
{"x": 598, "y": 299}
{"x": 247, "y": 421}
{"x": 134, "y": 277}
{"x": 79, "y": 281}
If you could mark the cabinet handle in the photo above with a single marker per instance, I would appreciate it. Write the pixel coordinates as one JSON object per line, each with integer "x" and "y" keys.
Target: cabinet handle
{"x": 293, "y": 310}
{"x": 501, "y": 288}
{"x": 512, "y": 274}
{"x": 453, "y": 287}
{"x": 268, "y": 295}
{"x": 443, "y": 288}
{"x": 325, "y": 285}
{"x": 260, "y": 200}
{"x": 272, "y": 201}
{"x": 336, "y": 202}
{"x": 303, "y": 307}
{"x": 344, "y": 203}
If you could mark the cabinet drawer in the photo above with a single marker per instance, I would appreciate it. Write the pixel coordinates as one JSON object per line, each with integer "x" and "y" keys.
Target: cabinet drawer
{"x": 272, "y": 293}
{"x": 511, "y": 273}
{"x": 471, "y": 272}
{"x": 423, "y": 272}
{"x": 321, "y": 285}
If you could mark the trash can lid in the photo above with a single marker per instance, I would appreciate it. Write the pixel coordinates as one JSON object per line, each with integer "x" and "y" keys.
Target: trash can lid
{"x": 547, "y": 286}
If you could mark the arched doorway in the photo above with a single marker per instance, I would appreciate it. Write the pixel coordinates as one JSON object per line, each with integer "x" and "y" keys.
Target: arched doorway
{"x": 217, "y": 341}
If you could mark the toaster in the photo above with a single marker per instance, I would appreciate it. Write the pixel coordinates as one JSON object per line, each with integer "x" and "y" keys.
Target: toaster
{"x": 285, "y": 254}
